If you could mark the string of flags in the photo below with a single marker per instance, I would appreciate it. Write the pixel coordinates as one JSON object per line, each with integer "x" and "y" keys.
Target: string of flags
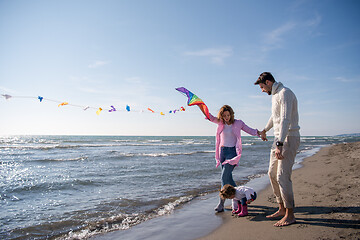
{"x": 192, "y": 100}
{"x": 98, "y": 109}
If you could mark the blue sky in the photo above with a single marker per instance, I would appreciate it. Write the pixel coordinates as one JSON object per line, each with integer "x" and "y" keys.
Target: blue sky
{"x": 103, "y": 53}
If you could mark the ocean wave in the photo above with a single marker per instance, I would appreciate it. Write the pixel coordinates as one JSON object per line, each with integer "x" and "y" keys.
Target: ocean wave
{"x": 124, "y": 221}
{"x": 83, "y": 226}
{"x": 37, "y": 147}
{"x": 173, "y": 154}
{"x": 41, "y": 186}
{"x": 27, "y": 140}
{"x": 161, "y": 154}
{"x": 61, "y": 159}
{"x": 93, "y": 145}
{"x": 248, "y": 144}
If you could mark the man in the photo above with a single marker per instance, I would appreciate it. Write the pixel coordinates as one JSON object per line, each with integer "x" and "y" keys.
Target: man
{"x": 284, "y": 119}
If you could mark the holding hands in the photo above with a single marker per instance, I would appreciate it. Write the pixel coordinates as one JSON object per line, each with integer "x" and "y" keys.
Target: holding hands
{"x": 278, "y": 151}
{"x": 262, "y": 134}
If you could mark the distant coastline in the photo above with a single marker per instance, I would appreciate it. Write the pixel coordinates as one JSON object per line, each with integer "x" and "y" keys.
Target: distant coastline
{"x": 348, "y": 135}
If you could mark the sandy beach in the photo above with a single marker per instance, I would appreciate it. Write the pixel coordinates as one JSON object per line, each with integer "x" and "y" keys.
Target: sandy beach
{"x": 327, "y": 198}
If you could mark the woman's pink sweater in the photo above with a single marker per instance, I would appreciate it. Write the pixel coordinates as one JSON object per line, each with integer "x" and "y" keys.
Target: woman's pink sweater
{"x": 237, "y": 126}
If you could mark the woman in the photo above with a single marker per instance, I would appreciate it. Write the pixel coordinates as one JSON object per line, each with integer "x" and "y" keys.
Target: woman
{"x": 228, "y": 145}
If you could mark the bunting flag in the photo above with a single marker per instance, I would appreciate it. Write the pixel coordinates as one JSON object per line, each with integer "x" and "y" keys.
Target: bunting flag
{"x": 97, "y": 109}
{"x": 62, "y": 104}
{"x": 6, "y": 96}
{"x": 112, "y": 109}
{"x": 194, "y": 100}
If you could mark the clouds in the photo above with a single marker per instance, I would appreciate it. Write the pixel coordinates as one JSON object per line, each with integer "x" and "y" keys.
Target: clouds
{"x": 347, "y": 80}
{"x": 97, "y": 64}
{"x": 314, "y": 22}
{"x": 216, "y": 56}
{"x": 311, "y": 46}
{"x": 279, "y": 36}
{"x": 275, "y": 38}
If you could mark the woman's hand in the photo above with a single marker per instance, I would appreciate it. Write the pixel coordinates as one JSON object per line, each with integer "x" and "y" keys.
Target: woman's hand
{"x": 217, "y": 163}
{"x": 262, "y": 134}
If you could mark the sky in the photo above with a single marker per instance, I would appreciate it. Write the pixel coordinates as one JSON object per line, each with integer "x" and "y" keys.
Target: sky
{"x": 117, "y": 53}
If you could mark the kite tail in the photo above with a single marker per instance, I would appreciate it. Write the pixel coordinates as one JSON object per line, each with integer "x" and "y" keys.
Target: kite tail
{"x": 205, "y": 110}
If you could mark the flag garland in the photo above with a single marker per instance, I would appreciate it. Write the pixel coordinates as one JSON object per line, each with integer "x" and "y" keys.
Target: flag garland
{"x": 98, "y": 109}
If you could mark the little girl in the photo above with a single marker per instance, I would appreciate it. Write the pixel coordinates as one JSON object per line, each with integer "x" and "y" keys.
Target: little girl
{"x": 241, "y": 197}
{"x": 228, "y": 145}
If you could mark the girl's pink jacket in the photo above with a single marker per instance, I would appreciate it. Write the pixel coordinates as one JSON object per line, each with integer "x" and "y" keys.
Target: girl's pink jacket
{"x": 237, "y": 126}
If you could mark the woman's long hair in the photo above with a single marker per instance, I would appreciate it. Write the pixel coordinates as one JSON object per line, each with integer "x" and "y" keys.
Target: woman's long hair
{"x": 224, "y": 109}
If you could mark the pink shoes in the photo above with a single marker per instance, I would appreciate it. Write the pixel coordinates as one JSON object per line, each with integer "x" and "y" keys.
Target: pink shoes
{"x": 238, "y": 210}
{"x": 244, "y": 211}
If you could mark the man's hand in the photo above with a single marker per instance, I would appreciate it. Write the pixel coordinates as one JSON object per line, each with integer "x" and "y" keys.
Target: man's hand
{"x": 278, "y": 153}
{"x": 263, "y": 135}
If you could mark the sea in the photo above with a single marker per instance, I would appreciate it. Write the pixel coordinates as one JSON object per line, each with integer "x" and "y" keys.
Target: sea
{"x": 78, "y": 187}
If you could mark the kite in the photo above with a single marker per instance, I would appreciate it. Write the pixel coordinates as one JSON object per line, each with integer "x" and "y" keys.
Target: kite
{"x": 128, "y": 108}
{"x": 40, "y": 98}
{"x": 151, "y": 110}
{"x": 195, "y": 100}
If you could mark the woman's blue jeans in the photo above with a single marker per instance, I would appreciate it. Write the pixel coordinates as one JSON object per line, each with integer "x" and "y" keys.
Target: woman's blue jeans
{"x": 227, "y": 169}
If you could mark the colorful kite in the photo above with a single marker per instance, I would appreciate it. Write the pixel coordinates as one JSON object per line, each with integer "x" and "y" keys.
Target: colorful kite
{"x": 194, "y": 100}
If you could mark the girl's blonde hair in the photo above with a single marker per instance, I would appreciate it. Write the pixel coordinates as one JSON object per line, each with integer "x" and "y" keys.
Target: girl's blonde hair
{"x": 224, "y": 109}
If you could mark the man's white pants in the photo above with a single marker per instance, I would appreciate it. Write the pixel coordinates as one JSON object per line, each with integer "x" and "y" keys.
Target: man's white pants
{"x": 280, "y": 172}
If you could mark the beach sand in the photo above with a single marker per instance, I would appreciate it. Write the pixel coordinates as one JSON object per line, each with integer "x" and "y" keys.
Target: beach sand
{"x": 327, "y": 198}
